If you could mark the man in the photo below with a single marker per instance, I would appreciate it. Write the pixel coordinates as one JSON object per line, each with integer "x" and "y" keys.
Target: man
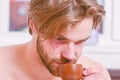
{"x": 59, "y": 29}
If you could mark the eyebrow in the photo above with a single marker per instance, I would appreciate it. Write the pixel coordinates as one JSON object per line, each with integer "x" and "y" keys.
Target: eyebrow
{"x": 84, "y": 39}
{"x": 64, "y": 38}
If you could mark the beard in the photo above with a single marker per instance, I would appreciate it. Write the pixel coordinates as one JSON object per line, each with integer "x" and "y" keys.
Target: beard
{"x": 50, "y": 63}
{"x": 47, "y": 61}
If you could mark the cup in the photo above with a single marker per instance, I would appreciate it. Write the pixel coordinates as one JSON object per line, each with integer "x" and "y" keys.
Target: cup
{"x": 71, "y": 71}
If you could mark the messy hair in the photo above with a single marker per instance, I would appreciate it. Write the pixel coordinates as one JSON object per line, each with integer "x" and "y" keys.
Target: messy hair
{"x": 51, "y": 16}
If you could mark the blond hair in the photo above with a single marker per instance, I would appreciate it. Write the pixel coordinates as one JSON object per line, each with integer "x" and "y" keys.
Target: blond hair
{"x": 51, "y": 16}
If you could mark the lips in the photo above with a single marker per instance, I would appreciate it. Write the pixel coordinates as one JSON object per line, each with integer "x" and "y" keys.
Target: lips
{"x": 64, "y": 61}
{"x": 60, "y": 63}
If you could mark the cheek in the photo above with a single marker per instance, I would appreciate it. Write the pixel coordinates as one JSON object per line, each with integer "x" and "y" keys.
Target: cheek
{"x": 47, "y": 48}
{"x": 54, "y": 45}
{"x": 79, "y": 48}
{"x": 57, "y": 47}
{"x": 53, "y": 48}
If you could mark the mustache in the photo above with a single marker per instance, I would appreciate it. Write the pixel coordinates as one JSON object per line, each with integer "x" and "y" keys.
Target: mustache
{"x": 64, "y": 61}
{"x": 68, "y": 61}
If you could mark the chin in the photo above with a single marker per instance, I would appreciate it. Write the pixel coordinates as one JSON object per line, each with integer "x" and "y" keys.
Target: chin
{"x": 54, "y": 69}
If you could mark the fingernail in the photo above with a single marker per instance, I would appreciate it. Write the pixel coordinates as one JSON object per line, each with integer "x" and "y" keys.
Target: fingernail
{"x": 85, "y": 72}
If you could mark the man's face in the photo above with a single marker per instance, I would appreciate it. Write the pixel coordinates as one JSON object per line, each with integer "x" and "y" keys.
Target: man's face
{"x": 64, "y": 47}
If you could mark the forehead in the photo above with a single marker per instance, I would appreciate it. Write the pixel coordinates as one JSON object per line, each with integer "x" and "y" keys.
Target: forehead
{"x": 79, "y": 31}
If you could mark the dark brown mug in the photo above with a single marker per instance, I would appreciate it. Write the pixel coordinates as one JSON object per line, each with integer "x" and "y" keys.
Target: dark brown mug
{"x": 71, "y": 71}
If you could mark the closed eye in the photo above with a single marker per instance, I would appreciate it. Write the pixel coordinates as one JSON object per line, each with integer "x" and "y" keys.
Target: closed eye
{"x": 61, "y": 39}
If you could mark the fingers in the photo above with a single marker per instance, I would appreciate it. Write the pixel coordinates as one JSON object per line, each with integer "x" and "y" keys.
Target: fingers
{"x": 90, "y": 71}
{"x": 93, "y": 74}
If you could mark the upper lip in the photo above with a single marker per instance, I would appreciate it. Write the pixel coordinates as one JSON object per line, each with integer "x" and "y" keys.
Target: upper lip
{"x": 62, "y": 62}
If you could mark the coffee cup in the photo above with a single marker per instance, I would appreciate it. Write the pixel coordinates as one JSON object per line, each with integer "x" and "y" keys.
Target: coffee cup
{"x": 71, "y": 71}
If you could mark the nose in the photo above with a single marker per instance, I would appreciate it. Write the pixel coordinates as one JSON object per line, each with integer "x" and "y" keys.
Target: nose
{"x": 69, "y": 52}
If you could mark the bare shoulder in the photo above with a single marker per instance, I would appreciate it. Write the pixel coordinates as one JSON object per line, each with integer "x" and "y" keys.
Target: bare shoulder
{"x": 10, "y": 53}
{"x": 11, "y": 50}
{"x": 9, "y": 57}
{"x": 87, "y": 62}
{"x": 7, "y": 51}
{"x": 6, "y": 54}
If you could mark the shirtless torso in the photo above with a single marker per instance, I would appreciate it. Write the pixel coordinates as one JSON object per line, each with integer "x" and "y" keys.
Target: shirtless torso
{"x": 15, "y": 66}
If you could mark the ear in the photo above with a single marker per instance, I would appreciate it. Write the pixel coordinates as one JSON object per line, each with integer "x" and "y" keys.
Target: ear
{"x": 32, "y": 26}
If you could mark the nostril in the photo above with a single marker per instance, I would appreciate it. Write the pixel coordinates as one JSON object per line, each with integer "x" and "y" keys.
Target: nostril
{"x": 67, "y": 59}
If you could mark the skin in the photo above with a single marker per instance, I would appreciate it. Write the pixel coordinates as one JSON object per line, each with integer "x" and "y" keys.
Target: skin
{"x": 39, "y": 60}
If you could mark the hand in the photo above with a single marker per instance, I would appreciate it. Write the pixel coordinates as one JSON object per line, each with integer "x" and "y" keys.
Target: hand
{"x": 94, "y": 74}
